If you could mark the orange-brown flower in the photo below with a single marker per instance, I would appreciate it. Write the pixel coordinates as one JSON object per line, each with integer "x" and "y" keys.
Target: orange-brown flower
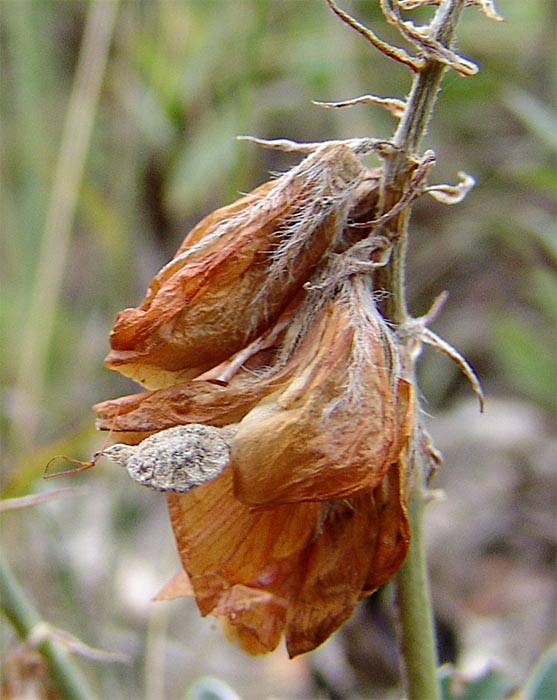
{"x": 301, "y": 385}
{"x": 322, "y": 427}
{"x": 236, "y": 271}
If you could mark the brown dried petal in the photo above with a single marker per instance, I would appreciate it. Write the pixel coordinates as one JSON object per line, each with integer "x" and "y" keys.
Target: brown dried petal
{"x": 179, "y": 586}
{"x": 339, "y": 424}
{"x": 215, "y": 402}
{"x": 236, "y": 271}
{"x": 252, "y": 618}
{"x": 298, "y": 569}
{"x": 223, "y": 542}
{"x": 198, "y": 401}
{"x": 207, "y": 400}
{"x": 393, "y": 531}
{"x": 362, "y": 542}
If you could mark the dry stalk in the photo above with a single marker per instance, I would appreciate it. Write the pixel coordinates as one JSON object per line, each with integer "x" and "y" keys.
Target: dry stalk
{"x": 400, "y": 183}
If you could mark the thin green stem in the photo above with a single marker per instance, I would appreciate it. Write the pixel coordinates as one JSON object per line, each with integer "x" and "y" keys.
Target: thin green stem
{"x": 26, "y": 621}
{"x": 418, "y": 644}
{"x": 425, "y": 88}
{"x": 417, "y": 631}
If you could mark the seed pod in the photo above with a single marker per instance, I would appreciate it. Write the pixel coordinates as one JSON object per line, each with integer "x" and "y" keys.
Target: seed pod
{"x": 236, "y": 272}
{"x": 177, "y": 459}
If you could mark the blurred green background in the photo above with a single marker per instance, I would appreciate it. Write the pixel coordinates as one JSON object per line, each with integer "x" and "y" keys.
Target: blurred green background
{"x": 118, "y": 134}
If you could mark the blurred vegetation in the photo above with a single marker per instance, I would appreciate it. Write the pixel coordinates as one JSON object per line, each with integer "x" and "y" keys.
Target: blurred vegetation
{"x": 182, "y": 79}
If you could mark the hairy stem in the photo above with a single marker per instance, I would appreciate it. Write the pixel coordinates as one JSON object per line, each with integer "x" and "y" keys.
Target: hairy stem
{"x": 398, "y": 170}
{"x": 418, "y": 642}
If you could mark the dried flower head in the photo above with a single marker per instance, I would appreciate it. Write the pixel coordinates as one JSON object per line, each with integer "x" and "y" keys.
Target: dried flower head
{"x": 277, "y": 419}
{"x": 319, "y": 448}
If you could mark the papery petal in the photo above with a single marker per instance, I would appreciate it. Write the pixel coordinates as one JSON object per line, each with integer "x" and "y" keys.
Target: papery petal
{"x": 325, "y": 422}
{"x": 223, "y": 542}
{"x": 236, "y": 272}
{"x": 363, "y": 542}
{"x": 333, "y": 571}
{"x": 339, "y": 424}
{"x": 240, "y": 563}
{"x": 186, "y": 402}
{"x": 252, "y": 618}
{"x": 197, "y": 401}
{"x": 298, "y": 569}
{"x": 393, "y": 532}
{"x": 179, "y": 586}
{"x": 212, "y": 401}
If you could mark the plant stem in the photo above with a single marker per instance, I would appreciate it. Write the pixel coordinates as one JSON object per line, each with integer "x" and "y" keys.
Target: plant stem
{"x": 25, "y": 619}
{"x": 397, "y": 171}
{"x": 418, "y": 644}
